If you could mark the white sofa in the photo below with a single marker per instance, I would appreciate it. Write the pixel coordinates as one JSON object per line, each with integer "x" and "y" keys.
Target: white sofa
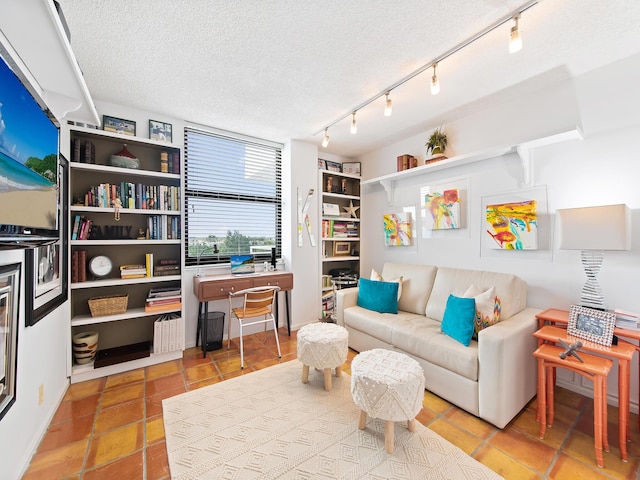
{"x": 494, "y": 377}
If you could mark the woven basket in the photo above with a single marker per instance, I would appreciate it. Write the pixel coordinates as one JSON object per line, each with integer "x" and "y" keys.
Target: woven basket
{"x": 110, "y": 305}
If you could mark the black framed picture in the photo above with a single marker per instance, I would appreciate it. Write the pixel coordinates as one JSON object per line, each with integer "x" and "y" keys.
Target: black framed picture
{"x": 593, "y": 325}
{"x": 46, "y": 266}
{"x": 118, "y": 125}
{"x": 334, "y": 166}
{"x": 9, "y": 308}
{"x": 351, "y": 167}
{"x": 160, "y": 131}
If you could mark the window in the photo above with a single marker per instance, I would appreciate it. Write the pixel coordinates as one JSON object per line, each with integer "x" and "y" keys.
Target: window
{"x": 233, "y": 197}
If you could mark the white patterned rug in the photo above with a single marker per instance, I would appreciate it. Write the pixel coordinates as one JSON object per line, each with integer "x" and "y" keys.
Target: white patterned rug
{"x": 268, "y": 425}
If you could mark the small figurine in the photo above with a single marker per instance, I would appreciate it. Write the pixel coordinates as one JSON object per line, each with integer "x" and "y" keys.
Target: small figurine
{"x": 570, "y": 350}
{"x": 117, "y": 205}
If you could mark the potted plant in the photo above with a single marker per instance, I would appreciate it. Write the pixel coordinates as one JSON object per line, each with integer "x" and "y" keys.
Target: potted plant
{"x": 437, "y": 142}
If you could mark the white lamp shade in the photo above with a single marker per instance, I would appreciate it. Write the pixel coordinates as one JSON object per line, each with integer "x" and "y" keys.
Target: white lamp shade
{"x": 605, "y": 227}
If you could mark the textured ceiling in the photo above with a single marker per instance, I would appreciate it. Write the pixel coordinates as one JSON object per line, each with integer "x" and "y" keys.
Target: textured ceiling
{"x": 285, "y": 69}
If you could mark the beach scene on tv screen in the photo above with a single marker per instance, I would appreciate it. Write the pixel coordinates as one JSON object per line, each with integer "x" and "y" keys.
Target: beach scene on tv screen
{"x": 28, "y": 157}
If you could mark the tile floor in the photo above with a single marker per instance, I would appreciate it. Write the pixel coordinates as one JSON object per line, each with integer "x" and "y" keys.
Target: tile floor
{"x": 111, "y": 428}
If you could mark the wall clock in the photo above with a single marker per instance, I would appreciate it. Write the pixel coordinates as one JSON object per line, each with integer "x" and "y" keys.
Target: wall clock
{"x": 100, "y": 266}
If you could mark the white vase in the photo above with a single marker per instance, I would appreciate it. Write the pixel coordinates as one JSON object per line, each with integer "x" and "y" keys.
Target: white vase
{"x": 85, "y": 346}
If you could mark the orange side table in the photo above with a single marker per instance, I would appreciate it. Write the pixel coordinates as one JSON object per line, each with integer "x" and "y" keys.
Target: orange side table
{"x": 594, "y": 368}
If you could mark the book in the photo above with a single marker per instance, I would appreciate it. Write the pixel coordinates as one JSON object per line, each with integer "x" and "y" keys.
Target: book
{"x": 173, "y": 327}
{"x": 163, "y": 291}
{"x": 82, "y": 265}
{"x": 169, "y": 307}
{"x": 157, "y": 335}
{"x": 74, "y": 266}
{"x": 169, "y": 261}
{"x": 164, "y": 300}
{"x": 149, "y": 264}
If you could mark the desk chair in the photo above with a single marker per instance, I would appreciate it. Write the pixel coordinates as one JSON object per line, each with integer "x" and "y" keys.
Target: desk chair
{"x": 257, "y": 307}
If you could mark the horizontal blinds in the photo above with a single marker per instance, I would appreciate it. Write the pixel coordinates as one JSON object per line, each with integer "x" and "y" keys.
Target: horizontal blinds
{"x": 232, "y": 195}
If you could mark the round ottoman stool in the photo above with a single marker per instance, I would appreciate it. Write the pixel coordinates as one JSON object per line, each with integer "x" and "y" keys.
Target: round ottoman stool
{"x": 387, "y": 385}
{"x": 323, "y": 346}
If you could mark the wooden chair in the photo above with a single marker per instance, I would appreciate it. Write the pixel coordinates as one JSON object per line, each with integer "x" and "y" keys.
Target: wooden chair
{"x": 257, "y": 307}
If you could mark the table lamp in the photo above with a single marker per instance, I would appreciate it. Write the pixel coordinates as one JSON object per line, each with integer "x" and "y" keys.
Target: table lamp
{"x": 594, "y": 230}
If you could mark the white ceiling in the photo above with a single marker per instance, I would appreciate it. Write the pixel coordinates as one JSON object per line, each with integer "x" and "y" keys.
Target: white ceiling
{"x": 285, "y": 69}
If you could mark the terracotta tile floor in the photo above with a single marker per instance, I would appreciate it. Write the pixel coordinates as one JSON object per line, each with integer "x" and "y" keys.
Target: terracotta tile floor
{"x": 111, "y": 428}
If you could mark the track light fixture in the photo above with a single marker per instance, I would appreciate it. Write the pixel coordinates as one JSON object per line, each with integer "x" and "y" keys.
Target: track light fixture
{"x": 515, "y": 44}
{"x": 515, "y": 36}
{"x": 435, "y": 84}
{"x": 325, "y": 140}
{"x": 387, "y": 107}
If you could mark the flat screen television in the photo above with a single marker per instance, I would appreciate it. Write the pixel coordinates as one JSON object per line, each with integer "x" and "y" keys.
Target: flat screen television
{"x": 29, "y": 148}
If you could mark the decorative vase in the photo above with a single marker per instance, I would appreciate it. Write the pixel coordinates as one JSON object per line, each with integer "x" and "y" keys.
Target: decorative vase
{"x": 85, "y": 346}
{"x": 125, "y": 159}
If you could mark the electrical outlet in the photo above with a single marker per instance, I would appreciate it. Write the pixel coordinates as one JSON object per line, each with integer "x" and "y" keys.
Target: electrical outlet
{"x": 41, "y": 394}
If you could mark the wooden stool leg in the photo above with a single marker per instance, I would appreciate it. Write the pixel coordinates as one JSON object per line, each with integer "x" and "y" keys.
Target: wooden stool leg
{"x": 339, "y": 371}
{"x": 305, "y": 373}
{"x": 597, "y": 419}
{"x": 542, "y": 400}
{"x": 327, "y": 379}
{"x": 412, "y": 425}
{"x": 388, "y": 436}
{"x": 605, "y": 417}
{"x": 550, "y": 373}
{"x": 363, "y": 420}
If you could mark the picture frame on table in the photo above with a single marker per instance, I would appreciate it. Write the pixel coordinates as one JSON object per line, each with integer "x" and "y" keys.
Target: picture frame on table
{"x": 341, "y": 248}
{"x": 46, "y": 265}
{"x": 118, "y": 125}
{"x": 351, "y": 167}
{"x": 160, "y": 131}
{"x": 334, "y": 166}
{"x": 591, "y": 324}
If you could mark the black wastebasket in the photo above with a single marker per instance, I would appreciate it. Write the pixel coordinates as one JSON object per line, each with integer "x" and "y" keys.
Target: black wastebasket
{"x": 215, "y": 330}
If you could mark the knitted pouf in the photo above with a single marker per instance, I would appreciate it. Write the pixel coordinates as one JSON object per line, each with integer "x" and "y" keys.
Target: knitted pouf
{"x": 323, "y": 346}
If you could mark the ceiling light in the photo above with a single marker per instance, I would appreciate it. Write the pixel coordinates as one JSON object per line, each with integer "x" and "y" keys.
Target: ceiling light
{"x": 515, "y": 37}
{"x": 325, "y": 140}
{"x": 354, "y": 124}
{"x": 435, "y": 84}
{"x": 387, "y": 107}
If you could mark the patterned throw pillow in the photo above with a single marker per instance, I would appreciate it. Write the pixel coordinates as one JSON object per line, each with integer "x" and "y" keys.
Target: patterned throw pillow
{"x": 488, "y": 307}
{"x": 375, "y": 276}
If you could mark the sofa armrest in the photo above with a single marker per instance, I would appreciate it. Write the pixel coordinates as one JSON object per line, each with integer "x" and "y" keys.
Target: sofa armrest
{"x": 507, "y": 367}
{"x": 345, "y": 298}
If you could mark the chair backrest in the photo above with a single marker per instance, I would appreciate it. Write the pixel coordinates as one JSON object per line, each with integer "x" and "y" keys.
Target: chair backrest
{"x": 257, "y": 300}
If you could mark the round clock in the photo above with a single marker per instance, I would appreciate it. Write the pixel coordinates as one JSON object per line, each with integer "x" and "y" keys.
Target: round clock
{"x": 100, "y": 266}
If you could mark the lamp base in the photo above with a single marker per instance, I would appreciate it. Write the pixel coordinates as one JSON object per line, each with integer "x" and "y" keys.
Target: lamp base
{"x": 591, "y": 295}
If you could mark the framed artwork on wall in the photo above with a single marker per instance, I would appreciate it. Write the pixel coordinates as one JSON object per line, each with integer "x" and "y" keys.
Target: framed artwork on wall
{"x": 9, "y": 308}
{"x": 118, "y": 125}
{"x": 160, "y": 131}
{"x": 397, "y": 229}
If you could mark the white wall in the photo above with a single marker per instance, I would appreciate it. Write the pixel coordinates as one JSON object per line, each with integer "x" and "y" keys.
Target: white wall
{"x": 601, "y": 169}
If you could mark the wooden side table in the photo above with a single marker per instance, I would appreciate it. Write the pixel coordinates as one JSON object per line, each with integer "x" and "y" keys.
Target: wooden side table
{"x": 623, "y": 352}
{"x": 593, "y": 368}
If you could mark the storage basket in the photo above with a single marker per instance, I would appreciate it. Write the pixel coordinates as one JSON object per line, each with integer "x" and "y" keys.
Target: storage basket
{"x": 109, "y": 305}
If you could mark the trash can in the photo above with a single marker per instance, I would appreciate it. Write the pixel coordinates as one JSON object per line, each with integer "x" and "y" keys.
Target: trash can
{"x": 214, "y": 329}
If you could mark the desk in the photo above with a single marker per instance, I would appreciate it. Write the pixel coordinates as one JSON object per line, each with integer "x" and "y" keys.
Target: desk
{"x": 623, "y": 352}
{"x": 217, "y": 287}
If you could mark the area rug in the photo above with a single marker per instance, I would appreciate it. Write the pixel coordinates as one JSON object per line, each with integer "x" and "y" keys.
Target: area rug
{"x": 269, "y": 425}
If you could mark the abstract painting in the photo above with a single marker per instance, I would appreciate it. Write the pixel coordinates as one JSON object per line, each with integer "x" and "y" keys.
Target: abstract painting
{"x": 443, "y": 208}
{"x": 513, "y": 226}
{"x": 397, "y": 229}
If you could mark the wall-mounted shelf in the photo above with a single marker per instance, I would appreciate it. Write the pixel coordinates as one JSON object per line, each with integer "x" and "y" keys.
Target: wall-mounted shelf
{"x": 523, "y": 150}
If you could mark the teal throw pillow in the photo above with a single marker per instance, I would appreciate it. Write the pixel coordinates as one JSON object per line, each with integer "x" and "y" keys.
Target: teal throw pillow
{"x": 380, "y": 297}
{"x": 458, "y": 320}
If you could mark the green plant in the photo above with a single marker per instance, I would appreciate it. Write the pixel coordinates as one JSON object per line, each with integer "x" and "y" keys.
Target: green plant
{"x": 437, "y": 142}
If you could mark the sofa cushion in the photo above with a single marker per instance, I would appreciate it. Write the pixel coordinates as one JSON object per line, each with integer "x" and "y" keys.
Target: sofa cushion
{"x": 378, "y": 296}
{"x": 459, "y": 319}
{"x": 417, "y": 281}
{"x": 378, "y": 325}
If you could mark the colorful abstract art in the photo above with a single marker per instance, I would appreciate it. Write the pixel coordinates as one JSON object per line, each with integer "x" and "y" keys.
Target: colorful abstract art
{"x": 444, "y": 209}
{"x": 397, "y": 229}
{"x": 513, "y": 226}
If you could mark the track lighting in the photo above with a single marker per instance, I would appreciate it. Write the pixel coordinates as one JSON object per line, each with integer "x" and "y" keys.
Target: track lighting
{"x": 325, "y": 140}
{"x": 435, "y": 84}
{"x": 515, "y": 37}
{"x": 354, "y": 124}
{"x": 387, "y": 107}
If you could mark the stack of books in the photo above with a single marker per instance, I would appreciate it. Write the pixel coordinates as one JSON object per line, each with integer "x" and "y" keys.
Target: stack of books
{"x": 167, "y": 333}
{"x": 169, "y": 266}
{"x": 165, "y": 299}
{"x": 627, "y": 320}
{"x": 132, "y": 271}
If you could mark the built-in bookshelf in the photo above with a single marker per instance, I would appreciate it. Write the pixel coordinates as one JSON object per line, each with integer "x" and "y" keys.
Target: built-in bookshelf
{"x": 125, "y": 239}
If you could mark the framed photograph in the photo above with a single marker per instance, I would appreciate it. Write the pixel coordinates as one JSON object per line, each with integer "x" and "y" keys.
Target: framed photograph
{"x": 333, "y": 166}
{"x": 118, "y": 125}
{"x": 160, "y": 131}
{"x": 322, "y": 164}
{"x": 351, "y": 167}
{"x": 341, "y": 248}
{"x": 593, "y": 325}
{"x": 9, "y": 308}
{"x": 46, "y": 266}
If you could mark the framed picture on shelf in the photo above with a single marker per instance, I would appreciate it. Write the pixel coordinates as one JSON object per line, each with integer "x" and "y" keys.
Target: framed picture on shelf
{"x": 333, "y": 166}
{"x": 160, "y": 131}
{"x": 593, "y": 325}
{"x": 351, "y": 167}
{"x": 118, "y": 125}
{"x": 341, "y": 248}
{"x": 46, "y": 265}
{"x": 322, "y": 164}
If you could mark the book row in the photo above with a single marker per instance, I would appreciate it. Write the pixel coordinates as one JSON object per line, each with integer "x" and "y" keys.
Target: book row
{"x": 168, "y": 333}
{"x": 133, "y": 195}
{"x": 332, "y": 228}
{"x": 170, "y": 162}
